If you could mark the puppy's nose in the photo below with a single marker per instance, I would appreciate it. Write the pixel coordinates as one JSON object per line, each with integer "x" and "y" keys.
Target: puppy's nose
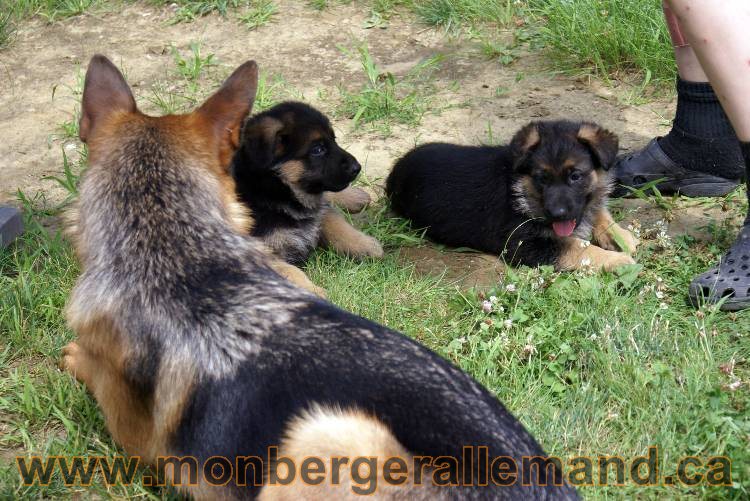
{"x": 353, "y": 168}
{"x": 559, "y": 213}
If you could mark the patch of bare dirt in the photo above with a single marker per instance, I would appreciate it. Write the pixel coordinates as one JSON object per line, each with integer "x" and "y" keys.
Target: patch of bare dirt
{"x": 464, "y": 269}
{"x": 302, "y": 45}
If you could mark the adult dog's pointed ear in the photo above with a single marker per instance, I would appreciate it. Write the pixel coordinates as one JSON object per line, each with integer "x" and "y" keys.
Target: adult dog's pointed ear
{"x": 523, "y": 143}
{"x": 602, "y": 143}
{"x": 105, "y": 93}
{"x": 228, "y": 107}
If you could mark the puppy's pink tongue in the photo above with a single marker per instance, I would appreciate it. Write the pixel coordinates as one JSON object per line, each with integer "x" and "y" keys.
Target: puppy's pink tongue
{"x": 564, "y": 228}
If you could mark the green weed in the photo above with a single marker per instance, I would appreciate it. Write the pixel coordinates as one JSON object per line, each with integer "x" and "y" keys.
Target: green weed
{"x": 259, "y": 13}
{"x": 11, "y": 11}
{"x": 190, "y": 10}
{"x": 454, "y": 14}
{"x": 69, "y": 128}
{"x": 192, "y": 67}
{"x": 504, "y": 53}
{"x": 318, "y": 4}
{"x": 386, "y": 99}
{"x": 7, "y": 29}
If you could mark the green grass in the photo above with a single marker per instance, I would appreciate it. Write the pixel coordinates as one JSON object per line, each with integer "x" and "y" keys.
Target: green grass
{"x": 592, "y": 364}
{"x": 260, "y": 13}
{"x": 607, "y": 37}
{"x": 254, "y": 13}
{"x": 190, "y": 10}
{"x": 453, "y": 14}
{"x": 386, "y": 99}
{"x": 51, "y": 10}
{"x": 195, "y": 76}
{"x": 13, "y": 11}
{"x": 7, "y": 28}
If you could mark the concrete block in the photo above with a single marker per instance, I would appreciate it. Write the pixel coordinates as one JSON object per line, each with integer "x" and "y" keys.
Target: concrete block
{"x": 11, "y": 225}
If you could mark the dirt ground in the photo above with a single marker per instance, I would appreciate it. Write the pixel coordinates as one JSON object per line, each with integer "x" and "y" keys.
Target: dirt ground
{"x": 303, "y": 46}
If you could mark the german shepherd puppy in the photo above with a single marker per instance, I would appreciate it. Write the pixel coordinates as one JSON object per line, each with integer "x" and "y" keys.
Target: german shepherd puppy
{"x": 195, "y": 347}
{"x": 288, "y": 159}
{"x": 536, "y": 201}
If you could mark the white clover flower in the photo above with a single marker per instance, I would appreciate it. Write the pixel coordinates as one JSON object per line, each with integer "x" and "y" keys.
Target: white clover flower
{"x": 663, "y": 306}
{"x": 529, "y": 350}
{"x": 593, "y": 337}
{"x": 486, "y": 306}
{"x": 507, "y": 323}
{"x": 734, "y": 385}
{"x": 510, "y": 288}
{"x": 493, "y": 299}
{"x": 659, "y": 295}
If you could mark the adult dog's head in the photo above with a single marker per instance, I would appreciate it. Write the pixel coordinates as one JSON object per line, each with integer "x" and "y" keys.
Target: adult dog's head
{"x": 296, "y": 143}
{"x": 560, "y": 173}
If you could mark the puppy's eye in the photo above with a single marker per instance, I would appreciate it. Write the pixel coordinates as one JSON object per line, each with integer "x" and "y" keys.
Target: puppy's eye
{"x": 318, "y": 150}
{"x": 575, "y": 176}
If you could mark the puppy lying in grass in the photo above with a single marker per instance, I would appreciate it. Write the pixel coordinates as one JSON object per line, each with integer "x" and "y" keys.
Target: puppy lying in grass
{"x": 288, "y": 171}
{"x": 536, "y": 201}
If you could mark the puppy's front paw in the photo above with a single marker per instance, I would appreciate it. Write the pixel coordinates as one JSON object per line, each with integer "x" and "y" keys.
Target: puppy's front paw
{"x": 367, "y": 246}
{"x": 583, "y": 256}
{"x": 618, "y": 238}
{"x": 352, "y": 199}
{"x": 630, "y": 242}
{"x": 612, "y": 260}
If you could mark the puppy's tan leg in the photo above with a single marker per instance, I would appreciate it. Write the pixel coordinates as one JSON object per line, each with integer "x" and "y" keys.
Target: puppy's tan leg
{"x": 127, "y": 417}
{"x": 607, "y": 233}
{"x": 578, "y": 254}
{"x": 337, "y": 233}
{"x": 297, "y": 277}
{"x": 352, "y": 199}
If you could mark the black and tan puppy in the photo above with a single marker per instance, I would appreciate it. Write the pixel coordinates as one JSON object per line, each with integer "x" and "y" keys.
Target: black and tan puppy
{"x": 536, "y": 201}
{"x": 195, "y": 347}
{"x": 288, "y": 160}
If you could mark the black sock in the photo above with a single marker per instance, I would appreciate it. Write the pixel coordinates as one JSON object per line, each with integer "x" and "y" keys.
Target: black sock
{"x": 745, "y": 148}
{"x": 702, "y": 138}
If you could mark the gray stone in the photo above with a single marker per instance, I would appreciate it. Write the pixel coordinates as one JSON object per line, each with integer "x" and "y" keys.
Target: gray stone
{"x": 11, "y": 225}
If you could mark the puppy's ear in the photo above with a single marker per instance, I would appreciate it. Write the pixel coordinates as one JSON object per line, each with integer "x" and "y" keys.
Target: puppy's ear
{"x": 226, "y": 109}
{"x": 105, "y": 93}
{"x": 523, "y": 143}
{"x": 602, "y": 143}
{"x": 262, "y": 140}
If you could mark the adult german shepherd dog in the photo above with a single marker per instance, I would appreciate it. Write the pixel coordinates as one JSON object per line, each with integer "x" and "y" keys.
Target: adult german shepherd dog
{"x": 288, "y": 170}
{"x": 536, "y": 201}
{"x": 194, "y": 347}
